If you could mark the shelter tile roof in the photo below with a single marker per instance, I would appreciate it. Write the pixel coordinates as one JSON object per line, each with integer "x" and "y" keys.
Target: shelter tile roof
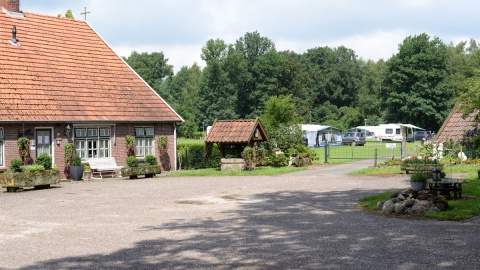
{"x": 64, "y": 71}
{"x": 454, "y": 127}
{"x": 236, "y": 131}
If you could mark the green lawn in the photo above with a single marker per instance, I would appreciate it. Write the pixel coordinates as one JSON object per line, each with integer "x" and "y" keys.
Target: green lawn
{"x": 217, "y": 172}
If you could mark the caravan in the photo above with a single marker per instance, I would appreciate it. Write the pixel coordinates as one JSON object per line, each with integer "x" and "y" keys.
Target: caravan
{"x": 395, "y": 132}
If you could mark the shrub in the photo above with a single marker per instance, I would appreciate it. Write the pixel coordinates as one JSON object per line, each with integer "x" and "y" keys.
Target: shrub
{"x": 132, "y": 161}
{"x": 16, "y": 165}
{"x": 45, "y": 160}
{"x": 130, "y": 144}
{"x": 151, "y": 159}
{"x": 77, "y": 161}
{"x": 248, "y": 155}
{"x": 277, "y": 158}
{"x": 34, "y": 168}
{"x": 23, "y": 144}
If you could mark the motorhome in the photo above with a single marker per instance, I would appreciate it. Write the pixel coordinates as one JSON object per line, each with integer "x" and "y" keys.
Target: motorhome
{"x": 395, "y": 132}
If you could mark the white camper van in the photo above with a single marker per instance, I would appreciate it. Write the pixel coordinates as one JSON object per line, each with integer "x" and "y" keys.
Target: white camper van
{"x": 395, "y": 132}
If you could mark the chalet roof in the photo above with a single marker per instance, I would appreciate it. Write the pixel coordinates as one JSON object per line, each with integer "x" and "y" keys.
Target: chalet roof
{"x": 62, "y": 70}
{"x": 454, "y": 127}
{"x": 236, "y": 132}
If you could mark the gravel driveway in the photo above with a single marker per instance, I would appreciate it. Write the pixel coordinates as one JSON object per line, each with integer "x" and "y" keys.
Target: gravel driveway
{"x": 303, "y": 220}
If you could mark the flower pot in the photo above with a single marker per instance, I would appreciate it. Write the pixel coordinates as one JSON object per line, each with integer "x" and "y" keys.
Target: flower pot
{"x": 417, "y": 186}
{"x": 76, "y": 172}
{"x": 87, "y": 175}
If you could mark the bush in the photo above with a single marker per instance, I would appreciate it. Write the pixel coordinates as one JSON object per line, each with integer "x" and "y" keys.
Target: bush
{"x": 196, "y": 155}
{"x": 45, "y": 160}
{"x": 248, "y": 155}
{"x": 151, "y": 159}
{"x": 34, "y": 168}
{"x": 132, "y": 161}
{"x": 277, "y": 158}
{"x": 16, "y": 165}
{"x": 77, "y": 161}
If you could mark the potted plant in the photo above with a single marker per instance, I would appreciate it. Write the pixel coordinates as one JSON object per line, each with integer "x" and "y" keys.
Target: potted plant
{"x": 76, "y": 169}
{"x": 87, "y": 172}
{"x": 418, "y": 181}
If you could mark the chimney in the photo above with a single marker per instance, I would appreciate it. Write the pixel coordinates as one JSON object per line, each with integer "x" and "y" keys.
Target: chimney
{"x": 10, "y": 5}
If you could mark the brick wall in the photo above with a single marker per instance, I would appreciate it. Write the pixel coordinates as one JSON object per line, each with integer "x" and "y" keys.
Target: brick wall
{"x": 11, "y": 5}
{"x": 117, "y": 142}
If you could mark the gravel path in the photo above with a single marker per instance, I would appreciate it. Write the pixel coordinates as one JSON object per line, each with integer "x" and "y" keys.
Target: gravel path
{"x": 303, "y": 220}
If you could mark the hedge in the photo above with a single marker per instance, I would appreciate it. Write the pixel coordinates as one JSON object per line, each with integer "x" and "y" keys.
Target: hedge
{"x": 193, "y": 156}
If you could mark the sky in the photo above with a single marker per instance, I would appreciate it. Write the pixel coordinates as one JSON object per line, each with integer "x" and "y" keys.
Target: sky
{"x": 180, "y": 28}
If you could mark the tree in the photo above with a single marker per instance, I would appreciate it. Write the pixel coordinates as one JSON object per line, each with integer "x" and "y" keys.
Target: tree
{"x": 417, "y": 86}
{"x": 188, "y": 99}
{"x": 152, "y": 67}
{"x": 68, "y": 14}
{"x": 217, "y": 96}
{"x": 335, "y": 74}
{"x": 252, "y": 46}
{"x": 471, "y": 98}
{"x": 369, "y": 95}
{"x": 281, "y": 122}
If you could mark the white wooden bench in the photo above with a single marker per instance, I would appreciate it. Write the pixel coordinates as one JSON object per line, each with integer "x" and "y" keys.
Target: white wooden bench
{"x": 103, "y": 166}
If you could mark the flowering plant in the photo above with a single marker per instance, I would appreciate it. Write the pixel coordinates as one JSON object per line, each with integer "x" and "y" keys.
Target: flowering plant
{"x": 419, "y": 160}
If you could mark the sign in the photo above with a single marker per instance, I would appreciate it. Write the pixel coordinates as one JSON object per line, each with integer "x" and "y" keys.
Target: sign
{"x": 391, "y": 145}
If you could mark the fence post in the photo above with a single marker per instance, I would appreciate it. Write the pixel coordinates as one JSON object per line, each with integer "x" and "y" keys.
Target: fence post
{"x": 375, "y": 158}
{"x": 326, "y": 152}
{"x": 186, "y": 158}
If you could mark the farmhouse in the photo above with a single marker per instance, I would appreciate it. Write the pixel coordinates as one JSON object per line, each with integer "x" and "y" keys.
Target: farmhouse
{"x": 61, "y": 83}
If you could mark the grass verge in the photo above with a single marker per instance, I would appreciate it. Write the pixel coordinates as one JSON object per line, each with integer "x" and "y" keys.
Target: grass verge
{"x": 217, "y": 172}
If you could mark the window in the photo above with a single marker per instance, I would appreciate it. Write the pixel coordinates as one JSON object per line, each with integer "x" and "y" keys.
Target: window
{"x": 397, "y": 131}
{"x": 1, "y": 147}
{"x": 44, "y": 142}
{"x": 144, "y": 141}
{"x": 388, "y": 131}
{"x": 92, "y": 142}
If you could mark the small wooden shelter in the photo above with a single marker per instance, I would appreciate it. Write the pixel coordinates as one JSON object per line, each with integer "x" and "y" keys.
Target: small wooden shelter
{"x": 236, "y": 132}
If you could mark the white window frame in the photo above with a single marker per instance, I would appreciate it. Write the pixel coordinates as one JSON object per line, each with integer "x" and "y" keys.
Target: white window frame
{"x": 145, "y": 141}
{"x": 92, "y": 141}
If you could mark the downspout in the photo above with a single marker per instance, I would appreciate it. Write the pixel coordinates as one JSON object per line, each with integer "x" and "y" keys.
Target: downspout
{"x": 175, "y": 145}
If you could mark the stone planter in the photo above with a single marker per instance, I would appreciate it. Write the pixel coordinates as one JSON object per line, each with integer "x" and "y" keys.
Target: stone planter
{"x": 232, "y": 164}
{"x": 76, "y": 172}
{"x": 14, "y": 182}
{"x": 420, "y": 167}
{"x": 148, "y": 171}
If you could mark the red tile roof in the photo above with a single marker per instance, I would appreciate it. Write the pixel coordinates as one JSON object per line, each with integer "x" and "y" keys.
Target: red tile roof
{"x": 236, "y": 131}
{"x": 455, "y": 127}
{"x": 64, "y": 71}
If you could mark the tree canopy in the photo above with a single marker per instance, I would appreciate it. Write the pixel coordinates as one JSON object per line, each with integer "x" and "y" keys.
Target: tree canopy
{"x": 324, "y": 85}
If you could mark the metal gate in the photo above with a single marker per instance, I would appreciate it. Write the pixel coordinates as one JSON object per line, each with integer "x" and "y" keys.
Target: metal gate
{"x": 371, "y": 150}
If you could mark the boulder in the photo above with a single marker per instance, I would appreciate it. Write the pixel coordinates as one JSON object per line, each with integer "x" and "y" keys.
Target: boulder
{"x": 388, "y": 207}
{"x": 399, "y": 208}
{"x": 418, "y": 209}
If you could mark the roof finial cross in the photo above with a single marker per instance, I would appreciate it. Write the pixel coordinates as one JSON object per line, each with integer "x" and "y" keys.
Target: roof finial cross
{"x": 85, "y": 13}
